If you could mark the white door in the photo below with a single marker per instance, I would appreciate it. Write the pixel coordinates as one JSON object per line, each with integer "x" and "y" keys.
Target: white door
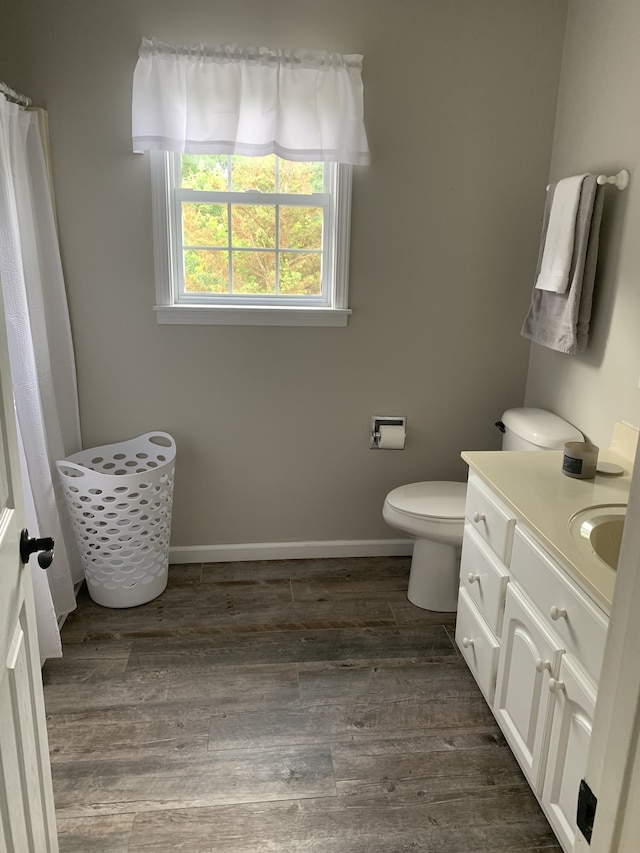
{"x": 27, "y": 821}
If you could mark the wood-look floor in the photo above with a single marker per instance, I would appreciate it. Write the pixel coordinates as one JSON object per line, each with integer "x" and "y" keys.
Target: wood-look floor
{"x": 279, "y": 707}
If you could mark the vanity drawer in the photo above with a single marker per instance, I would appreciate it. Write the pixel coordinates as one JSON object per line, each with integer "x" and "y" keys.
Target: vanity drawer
{"x": 478, "y": 646}
{"x": 484, "y": 578}
{"x": 491, "y": 520}
{"x": 579, "y": 624}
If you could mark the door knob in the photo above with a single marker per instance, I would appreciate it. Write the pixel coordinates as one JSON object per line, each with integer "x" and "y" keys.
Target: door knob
{"x": 29, "y": 546}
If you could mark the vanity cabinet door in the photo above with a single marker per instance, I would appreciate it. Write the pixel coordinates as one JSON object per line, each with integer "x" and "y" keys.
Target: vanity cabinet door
{"x": 529, "y": 657}
{"x": 574, "y": 700}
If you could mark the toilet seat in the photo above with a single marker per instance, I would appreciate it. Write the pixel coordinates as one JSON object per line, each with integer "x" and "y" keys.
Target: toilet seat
{"x": 432, "y": 513}
{"x": 437, "y": 500}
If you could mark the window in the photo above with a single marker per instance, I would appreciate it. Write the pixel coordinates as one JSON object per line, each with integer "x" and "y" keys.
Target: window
{"x": 241, "y": 235}
{"x": 250, "y": 240}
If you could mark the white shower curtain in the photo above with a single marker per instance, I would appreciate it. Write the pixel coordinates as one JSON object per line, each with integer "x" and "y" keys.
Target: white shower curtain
{"x": 41, "y": 356}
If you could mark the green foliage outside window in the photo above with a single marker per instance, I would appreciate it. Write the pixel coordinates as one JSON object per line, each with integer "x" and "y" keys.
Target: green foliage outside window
{"x": 273, "y": 248}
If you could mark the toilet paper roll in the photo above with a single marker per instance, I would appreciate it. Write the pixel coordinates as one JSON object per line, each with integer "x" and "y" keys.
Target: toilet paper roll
{"x": 391, "y": 437}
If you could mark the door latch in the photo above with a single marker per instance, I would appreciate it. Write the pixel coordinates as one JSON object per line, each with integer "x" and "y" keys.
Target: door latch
{"x": 30, "y": 545}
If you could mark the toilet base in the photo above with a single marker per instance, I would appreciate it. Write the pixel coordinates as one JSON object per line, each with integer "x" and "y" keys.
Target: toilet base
{"x": 434, "y": 577}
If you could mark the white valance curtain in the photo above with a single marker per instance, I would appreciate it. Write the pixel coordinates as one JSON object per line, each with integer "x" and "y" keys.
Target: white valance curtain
{"x": 224, "y": 99}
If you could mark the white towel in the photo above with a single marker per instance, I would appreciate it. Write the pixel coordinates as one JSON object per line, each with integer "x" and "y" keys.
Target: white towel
{"x": 560, "y": 321}
{"x": 558, "y": 245}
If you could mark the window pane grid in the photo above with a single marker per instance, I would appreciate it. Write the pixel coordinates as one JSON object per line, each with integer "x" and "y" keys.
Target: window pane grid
{"x": 293, "y": 268}
{"x": 279, "y": 257}
{"x": 304, "y": 280}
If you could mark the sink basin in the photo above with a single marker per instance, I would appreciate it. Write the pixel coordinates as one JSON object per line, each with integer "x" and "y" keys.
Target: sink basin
{"x": 598, "y": 530}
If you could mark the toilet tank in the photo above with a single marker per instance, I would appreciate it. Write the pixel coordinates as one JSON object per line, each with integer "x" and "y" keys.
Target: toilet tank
{"x": 535, "y": 429}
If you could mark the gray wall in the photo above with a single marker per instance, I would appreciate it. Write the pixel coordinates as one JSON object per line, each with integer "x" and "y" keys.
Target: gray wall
{"x": 598, "y": 130}
{"x": 272, "y": 423}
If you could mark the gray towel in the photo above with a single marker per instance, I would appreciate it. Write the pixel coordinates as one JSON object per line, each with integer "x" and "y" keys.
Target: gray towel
{"x": 560, "y": 321}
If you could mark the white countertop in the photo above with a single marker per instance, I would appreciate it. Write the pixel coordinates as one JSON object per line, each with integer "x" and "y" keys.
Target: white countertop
{"x": 533, "y": 486}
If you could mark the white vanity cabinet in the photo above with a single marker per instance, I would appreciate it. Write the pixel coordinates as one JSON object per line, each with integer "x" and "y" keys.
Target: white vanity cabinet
{"x": 548, "y": 642}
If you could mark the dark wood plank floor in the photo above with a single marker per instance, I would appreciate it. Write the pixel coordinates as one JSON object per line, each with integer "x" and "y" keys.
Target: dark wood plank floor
{"x": 279, "y": 707}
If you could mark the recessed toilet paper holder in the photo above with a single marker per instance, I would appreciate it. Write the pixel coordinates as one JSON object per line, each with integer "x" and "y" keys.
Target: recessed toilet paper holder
{"x": 377, "y": 421}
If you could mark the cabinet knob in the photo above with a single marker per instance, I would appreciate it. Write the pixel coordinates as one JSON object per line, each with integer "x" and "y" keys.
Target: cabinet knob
{"x": 541, "y": 665}
{"x": 556, "y": 686}
{"x": 467, "y": 642}
{"x": 478, "y": 517}
{"x": 473, "y": 578}
{"x": 558, "y": 613}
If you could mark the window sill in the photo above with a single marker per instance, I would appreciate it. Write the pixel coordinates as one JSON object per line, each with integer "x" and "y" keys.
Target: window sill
{"x": 227, "y": 315}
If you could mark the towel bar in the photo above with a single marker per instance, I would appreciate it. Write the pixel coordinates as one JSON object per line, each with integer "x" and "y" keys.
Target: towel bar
{"x": 621, "y": 180}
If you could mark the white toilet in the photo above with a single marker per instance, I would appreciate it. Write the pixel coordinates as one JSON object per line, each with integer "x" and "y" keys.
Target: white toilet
{"x": 432, "y": 513}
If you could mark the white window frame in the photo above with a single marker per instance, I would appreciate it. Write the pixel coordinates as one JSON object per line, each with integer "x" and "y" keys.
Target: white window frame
{"x": 173, "y": 306}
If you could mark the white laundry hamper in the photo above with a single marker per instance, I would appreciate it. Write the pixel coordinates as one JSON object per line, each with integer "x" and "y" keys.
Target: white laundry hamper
{"x": 119, "y": 498}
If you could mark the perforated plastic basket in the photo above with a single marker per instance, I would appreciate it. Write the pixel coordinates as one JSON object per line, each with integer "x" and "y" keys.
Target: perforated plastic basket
{"x": 119, "y": 498}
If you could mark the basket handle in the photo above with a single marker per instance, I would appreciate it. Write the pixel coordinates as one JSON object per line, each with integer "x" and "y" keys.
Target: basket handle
{"x": 78, "y": 469}
{"x": 165, "y": 441}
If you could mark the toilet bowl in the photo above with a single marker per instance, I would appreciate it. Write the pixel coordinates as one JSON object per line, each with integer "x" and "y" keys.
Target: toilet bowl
{"x": 432, "y": 512}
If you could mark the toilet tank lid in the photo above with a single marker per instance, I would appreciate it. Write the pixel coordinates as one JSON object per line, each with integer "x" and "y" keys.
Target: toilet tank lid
{"x": 540, "y": 427}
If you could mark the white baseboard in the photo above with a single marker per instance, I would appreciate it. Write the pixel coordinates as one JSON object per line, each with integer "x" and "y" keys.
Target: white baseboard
{"x": 290, "y": 550}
